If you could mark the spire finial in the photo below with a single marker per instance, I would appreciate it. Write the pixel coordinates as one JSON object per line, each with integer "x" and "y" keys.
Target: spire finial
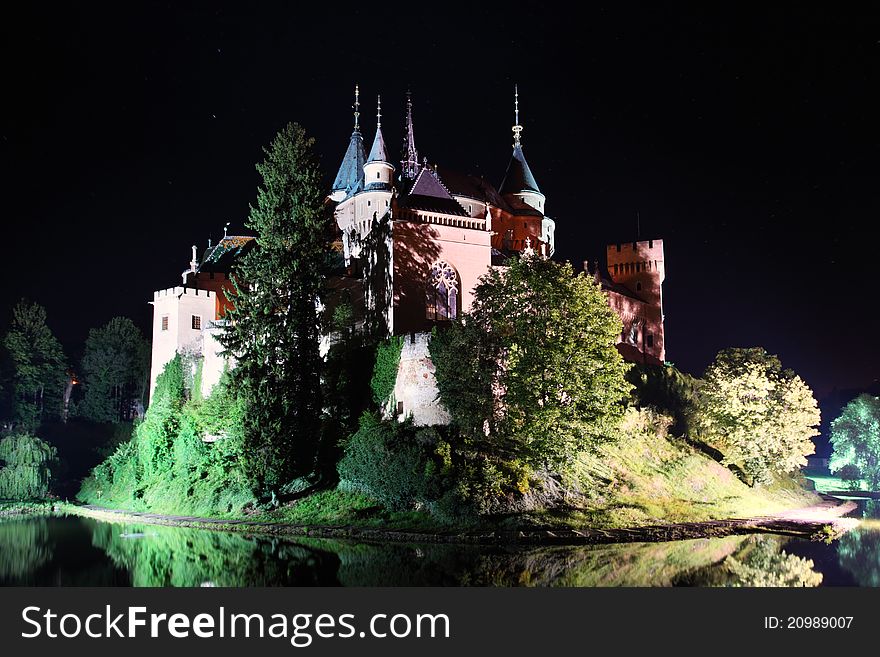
{"x": 357, "y": 107}
{"x": 378, "y": 111}
{"x": 517, "y": 128}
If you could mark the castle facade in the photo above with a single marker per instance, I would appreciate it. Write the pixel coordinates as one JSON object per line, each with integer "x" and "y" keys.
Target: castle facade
{"x": 415, "y": 240}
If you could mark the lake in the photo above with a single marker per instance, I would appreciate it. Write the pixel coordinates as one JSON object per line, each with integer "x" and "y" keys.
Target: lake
{"x": 75, "y": 551}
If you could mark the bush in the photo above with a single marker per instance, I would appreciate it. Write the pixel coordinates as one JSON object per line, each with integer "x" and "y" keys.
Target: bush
{"x": 667, "y": 389}
{"x": 383, "y": 460}
{"x": 26, "y": 473}
{"x": 851, "y": 475}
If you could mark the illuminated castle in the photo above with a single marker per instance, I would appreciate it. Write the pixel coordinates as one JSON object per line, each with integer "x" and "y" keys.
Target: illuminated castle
{"x": 415, "y": 239}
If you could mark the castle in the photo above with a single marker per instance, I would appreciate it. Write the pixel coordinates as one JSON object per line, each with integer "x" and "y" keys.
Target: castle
{"x": 427, "y": 234}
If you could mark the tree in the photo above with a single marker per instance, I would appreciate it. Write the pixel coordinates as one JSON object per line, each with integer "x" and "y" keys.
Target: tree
{"x": 760, "y": 416}
{"x": 273, "y": 331}
{"x": 26, "y": 462}
{"x": 855, "y": 440}
{"x": 38, "y": 363}
{"x": 115, "y": 367}
{"x": 531, "y": 372}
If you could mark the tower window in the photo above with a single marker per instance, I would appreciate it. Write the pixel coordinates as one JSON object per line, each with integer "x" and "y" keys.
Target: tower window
{"x": 649, "y": 339}
{"x": 164, "y": 322}
{"x": 197, "y": 322}
{"x": 368, "y": 203}
{"x": 638, "y": 287}
{"x": 377, "y": 175}
{"x": 616, "y": 269}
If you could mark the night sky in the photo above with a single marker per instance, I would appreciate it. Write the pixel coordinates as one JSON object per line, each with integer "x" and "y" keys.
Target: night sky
{"x": 746, "y": 138}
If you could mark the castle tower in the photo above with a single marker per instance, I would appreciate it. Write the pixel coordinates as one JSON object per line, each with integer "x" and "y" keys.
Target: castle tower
{"x": 181, "y": 316}
{"x": 639, "y": 267}
{"x": 519, "y": 183}
{"x": 409, "y": 159}
{"x": 378, "y": 170}
{"x": 350, "y": 176}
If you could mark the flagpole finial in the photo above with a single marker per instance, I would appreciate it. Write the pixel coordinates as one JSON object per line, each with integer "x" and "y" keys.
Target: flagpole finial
{"x": 378, "y": 111}
{"x": 517, "y": 128}
{"x": 357, "y": 105}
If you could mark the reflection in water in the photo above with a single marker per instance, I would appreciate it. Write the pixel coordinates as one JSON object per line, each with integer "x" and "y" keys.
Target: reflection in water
{"x": 24, "y": 547}
{"x": 761, "y": 561}
{"x": 72, "y": 550}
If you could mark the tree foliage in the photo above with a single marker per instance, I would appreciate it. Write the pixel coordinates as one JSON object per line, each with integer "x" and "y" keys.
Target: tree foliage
{"x": 760, "y": 416}
{"x": 39, "y": 366}
{"x": 114, "y": 368}
{"x": 273, "y": 331}
{"x": 27, "y": 463}
{"x": 168, "y": 466}
{"x": 531, "y": 374}
{"x": 385, "y": 369}
{"x": 855, "y": 440}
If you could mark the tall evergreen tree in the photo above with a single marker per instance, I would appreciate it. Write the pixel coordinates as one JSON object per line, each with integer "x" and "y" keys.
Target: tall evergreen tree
{"x": 115, "y": 368}
{"x": 39, "y": 366}
{"x": 273, "y": 332}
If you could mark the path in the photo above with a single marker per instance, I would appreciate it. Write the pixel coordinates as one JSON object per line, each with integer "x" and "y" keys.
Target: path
{"x": 823, "y": 520}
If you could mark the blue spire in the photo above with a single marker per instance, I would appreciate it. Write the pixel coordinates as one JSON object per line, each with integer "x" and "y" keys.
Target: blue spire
{"x": 378, "y": 153}
{"x": 351, "y": 171}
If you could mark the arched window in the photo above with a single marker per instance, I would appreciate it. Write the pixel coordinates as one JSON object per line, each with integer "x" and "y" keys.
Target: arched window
{"x": 441, "y": 300}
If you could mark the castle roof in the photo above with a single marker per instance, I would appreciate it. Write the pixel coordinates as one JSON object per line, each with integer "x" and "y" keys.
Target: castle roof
{"x": 351, "y": 171}
{"x": 518, "y": 177}
{"x": 219, "y": 258}
{"x": 477, "y": 187}
{"x": 429, "y": 194}
{"x": 378, "y": 153}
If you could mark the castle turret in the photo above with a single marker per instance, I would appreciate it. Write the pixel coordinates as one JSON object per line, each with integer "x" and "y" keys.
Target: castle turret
{"x": 350, "y": 176}
{"x": 519, "y": 184}
{"x": 378, "y": 170}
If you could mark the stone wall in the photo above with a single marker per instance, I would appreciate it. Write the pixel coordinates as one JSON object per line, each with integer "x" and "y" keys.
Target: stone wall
{"x": 415, "y": 391}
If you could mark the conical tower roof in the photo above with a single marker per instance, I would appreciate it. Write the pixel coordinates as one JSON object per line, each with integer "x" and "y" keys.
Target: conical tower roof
{"x": 518, "y": 177}
{"x": 378, "y": 153}
{"x": 351, "y": 172}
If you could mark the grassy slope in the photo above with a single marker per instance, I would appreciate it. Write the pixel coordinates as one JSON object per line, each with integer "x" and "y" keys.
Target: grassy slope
{"x": 643, "y": 479}
{"x": 649, "y": 478}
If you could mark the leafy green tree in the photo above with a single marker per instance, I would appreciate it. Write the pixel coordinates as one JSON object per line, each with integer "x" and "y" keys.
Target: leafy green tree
{"x": 39, "y": 366}
{"x": 855, "y": 440}
{"x": 27, "y": 461}
{"x": 531, "y": 373}
{"x": 760, "y": 416}
{"x": 273, "y": 332}
{"x": 115, "y": 368}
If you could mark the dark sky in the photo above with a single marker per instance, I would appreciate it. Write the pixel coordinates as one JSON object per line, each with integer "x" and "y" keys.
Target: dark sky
{"x": 745, "y": 137}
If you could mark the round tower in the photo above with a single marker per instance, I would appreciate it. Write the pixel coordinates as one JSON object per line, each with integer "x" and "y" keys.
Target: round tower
{"x": 378, "y": 170}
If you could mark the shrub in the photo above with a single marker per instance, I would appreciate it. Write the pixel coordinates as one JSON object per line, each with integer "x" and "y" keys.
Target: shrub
{"x": 384, "y": 461}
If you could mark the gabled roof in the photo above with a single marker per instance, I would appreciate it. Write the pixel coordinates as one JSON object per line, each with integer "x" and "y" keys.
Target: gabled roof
{"x": 518, "y": 177}
{"x": 378, "y": 153}
{"x": 219, "y": 258}
{"x": 428, "y": 193}
{"x": 351, "y": 171}
{"x": 462, "y": 184}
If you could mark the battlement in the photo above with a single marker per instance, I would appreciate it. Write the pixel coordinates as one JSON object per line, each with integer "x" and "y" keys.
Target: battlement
{"x": 635, "y": 251}
{"x": 183, "y": 291}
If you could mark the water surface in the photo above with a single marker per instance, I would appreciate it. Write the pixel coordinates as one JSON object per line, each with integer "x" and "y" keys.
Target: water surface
{"x": 75, "y": 551}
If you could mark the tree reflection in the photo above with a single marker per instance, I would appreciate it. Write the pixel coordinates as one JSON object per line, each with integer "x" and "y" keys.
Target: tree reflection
{"x": 24, "y": 547}
{"x": 762, "y": 562}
